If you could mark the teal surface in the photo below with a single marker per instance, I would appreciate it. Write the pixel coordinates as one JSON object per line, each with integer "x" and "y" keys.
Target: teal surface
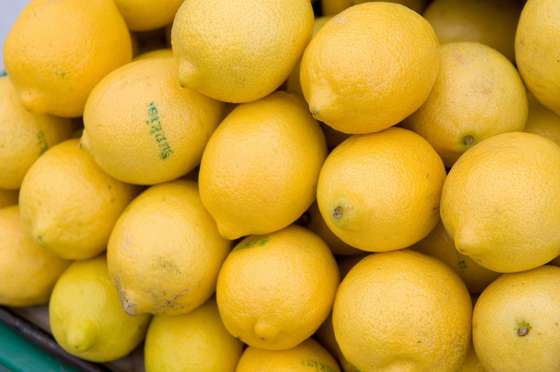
{"x": 18, "y": 355}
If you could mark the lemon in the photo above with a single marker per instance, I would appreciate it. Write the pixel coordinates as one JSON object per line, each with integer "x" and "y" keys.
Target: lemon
{"x": 275, "y": 290}
{"x": 239, "y": 50}
{"x": 165, "y": 252}
{"x": 478, "y": 94}
{"x": 86, "y": 317}
{"x": 148, "y": 14}
{"x": 27, "y": 271}
{"x": 195, "y": 342}
{"x": 369, "y": 67}
{"x": 516, "y": 322}
{"x": 542, "y": 121}
{"x": 490, "y": 22}
{"x": 24, "y": 136}
{"x": 141, "y": 127}
{"x": 158, "y": 53}
{"x": 500, "y": 202}
{"x": 259, "y": 170}
{"x": 402, "y": 311}
{"x": 536, "y": 50}
{"x": 308, "y": 356}
{"x": 69, "y": 205}
{"x": 8, "y": 197}
{"x": 332, "y": 7}
{"x": 361, "y": 209}
{"x": 472, "y": 363}
{"x": 57, "y": 51}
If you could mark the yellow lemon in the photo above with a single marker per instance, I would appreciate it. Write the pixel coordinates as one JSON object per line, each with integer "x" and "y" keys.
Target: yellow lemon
{"x": 500, "y": 202}
{"x": 24, "y": 136}
{"x": 332, "y": 7}
{"x": 490, "y": 22}
{"x": 369, "y": 67}
{"x": 536, "y": 50}
{"x": 478, "y": 94}
{"x": 239, "y": 50}
{"x": 403, "y": 311}
{"x": 472, "y": 363}
{"x": 165, "y": 252}
{"x": 148, "y": 14}
{"x": 141, "y": 127}
{"x": 542, "y": 121}
{"x": 516, "y": 322}
{"x": 57, "y": 51}
{"x": 439, "y": 245}
{"x": 86, "y": 317}
{"x": 27, "y": 271}
{"x": 259, "y": 170}
{"x": 195, "y": 342}
{"x": 275, "y": 290}
{"x": 356, "y": 202}
{"x": 8, "y": 197}
{"x": 69, "y": 205}
{"x": 158, "y": 53}
{"x": 307, "y": 356}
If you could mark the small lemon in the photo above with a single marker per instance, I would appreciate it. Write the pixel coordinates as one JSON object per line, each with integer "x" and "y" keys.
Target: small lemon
{"x": 57, "y": 51}
{"x": 472, "y": 363}
{"x": 332, "y": 7}
{"x": 165, "y": 252}
{"x": 239, "y": 50}
{"x": 158, "y": 53}
{"x": 141, "y": 127}
{"x": 86, "y": 317}
{"x": 195, "y": 342}
{"x": 275, "y": 290}
{"x": 24, "y": 136}
{"x": 69, "y": 205}
{"x": 478, "y": 94}
{"x": 142, "y": 15}
{"x": 542, "y": 121}
{"x": 27, "y": 271}
{"x": 307, "y": 356}
{"x": 403, "y": 311}
{"x": 259, "y": 170}
{"x": 356, "y": 202}
{"x": 8, "y": 197}
{"x": 369, "y": 67}
{"x": 516, "y": 322}
{"x": 500, "y": 202}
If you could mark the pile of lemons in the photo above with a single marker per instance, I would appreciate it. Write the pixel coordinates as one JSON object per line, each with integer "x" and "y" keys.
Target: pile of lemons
{"x": 249, "y": 188}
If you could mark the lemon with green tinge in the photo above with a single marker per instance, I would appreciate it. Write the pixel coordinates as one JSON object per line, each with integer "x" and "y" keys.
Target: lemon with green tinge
{"x": 356, "y": 203}
{"x": 57, "y": 51}
{"x": 259, "y": 170}
{"x": 332, "y": 7}
{"x": 403, "y": 311}
{"x": 542, "y": 121}
{"x": 500, "y": 202}
{"x": 165, "y": 251}
{"x": 195, "y": 342}
{"x": 24, "y": 136}
{"x": 146, "y": 15}
{"x": 69, "y": 205}
{"x": 239, "y": 50}
{"x": 27, "y": 271}
{"x": 158, "y": 53}
{"x": 307, "y": 356}
{"x": 86, "y": 317}
{"x": 141, "y": 127}
{"x": 516, "y": 322}
{"x": 8, "y": 197}
{"x": 275, "y": 290}
{"x": 478, "y": 94}
{"x": 369, "y": 67}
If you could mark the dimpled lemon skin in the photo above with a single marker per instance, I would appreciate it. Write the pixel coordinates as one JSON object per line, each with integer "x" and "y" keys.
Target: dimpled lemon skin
{"x": 239, "y": 50}
{"x": 308, "y": 356}
{"x": 332, "y": 7}
{"x": 165, "y": 251}
{"x": 542, "y": 121}
{"x": 500, "y": 202}
{"x": 141, "y": 127}
{"x": 27, "y": 271}
{"x": 195, "y": 342}
{"x": 403, "y": 311}
{"x": 369, "y": 67}
{"x": 536, "y": 50}
{"x": 24, "y": 135}
{"x": 68, "y": 205}
{"x": 516, "y": 322}
{"x": 57, "y": 51}
{"x": 86, "y": 317}
{"x": 8, "y": 197}
{"x": 144, "y": 15}
{"x": 478, "y": 94}
{"x": 259, "y": 170}
{"x": 275, "y": 290}
{"x": 356, "y": 203}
